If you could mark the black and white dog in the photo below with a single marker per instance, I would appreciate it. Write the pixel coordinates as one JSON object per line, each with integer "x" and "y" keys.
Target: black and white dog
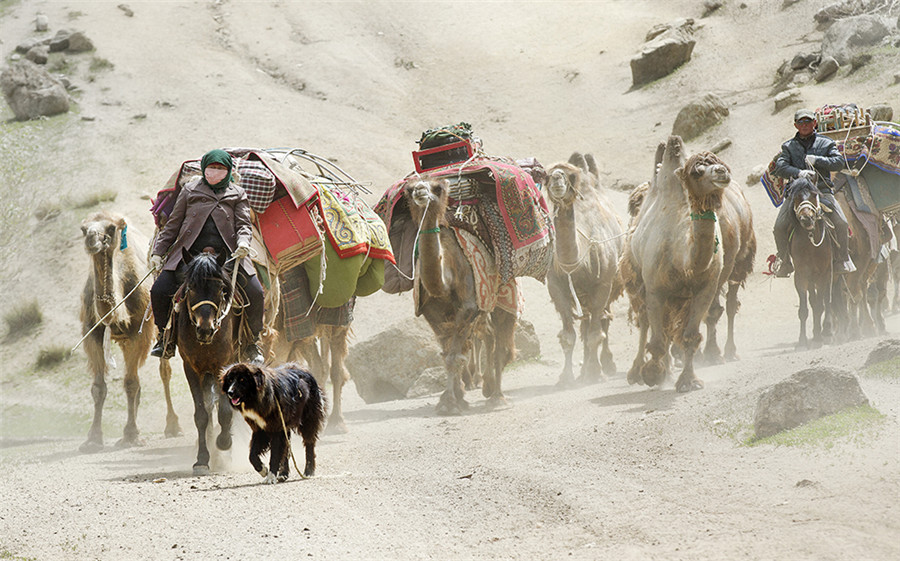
{"x": 264, "y": 396}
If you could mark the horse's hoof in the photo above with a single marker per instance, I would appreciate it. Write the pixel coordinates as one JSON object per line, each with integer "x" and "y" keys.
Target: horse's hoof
{"x": 90, "y": 447}
{"x": 223, "y": 441}
{"x": 336, "y": 427}
{"x": 130, "y": 442}
{"x": 201, "y": 470}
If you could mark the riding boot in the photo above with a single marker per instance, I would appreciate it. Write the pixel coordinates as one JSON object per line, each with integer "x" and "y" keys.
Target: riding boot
{"x": 253, "y": 354}
{"x": 782, "y": 232}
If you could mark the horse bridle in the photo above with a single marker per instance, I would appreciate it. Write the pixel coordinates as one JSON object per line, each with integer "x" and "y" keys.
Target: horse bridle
{"x": 219, "y": 316}
{"x": 818, "y": 213}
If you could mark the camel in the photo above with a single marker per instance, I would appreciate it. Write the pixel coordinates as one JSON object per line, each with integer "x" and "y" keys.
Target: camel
{"x": 691, "y": 235}
{"x": 116, "y": 268}
{"x": 859, "y": 316}
{"x": 581, "y": 281}
{"x": 447, "y": 298}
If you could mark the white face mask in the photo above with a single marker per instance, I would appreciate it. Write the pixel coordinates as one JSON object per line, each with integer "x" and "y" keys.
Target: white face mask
{"x": 215, "y": 175}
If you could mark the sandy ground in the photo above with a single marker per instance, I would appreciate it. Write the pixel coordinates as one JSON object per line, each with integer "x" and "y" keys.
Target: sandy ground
{"x": 599, "y": 472}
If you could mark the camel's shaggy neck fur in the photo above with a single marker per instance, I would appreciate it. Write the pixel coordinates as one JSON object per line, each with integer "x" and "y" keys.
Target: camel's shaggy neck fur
{"x": 427, "y": 201}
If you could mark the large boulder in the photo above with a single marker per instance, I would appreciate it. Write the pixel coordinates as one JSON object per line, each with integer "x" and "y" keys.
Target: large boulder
{"x": 881, "y": 112}
{"x": 699, "y": 115}
{"x": 805, "y": 396}
{"x": 888, "y": 349}
{"x": 32, "y": 92}
{"x": 528, "y": 347}
{"x": 849, "y": 36}
{"x": 667, "y": 48}
{"x": 386, "y": 366}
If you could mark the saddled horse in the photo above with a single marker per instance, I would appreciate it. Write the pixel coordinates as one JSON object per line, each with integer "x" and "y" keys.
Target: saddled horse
{"x": 811, "y": 251}
{"x": 207, "y": 341}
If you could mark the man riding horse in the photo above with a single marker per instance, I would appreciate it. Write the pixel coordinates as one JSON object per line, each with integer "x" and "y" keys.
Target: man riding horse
{"x": 814, "y": 157}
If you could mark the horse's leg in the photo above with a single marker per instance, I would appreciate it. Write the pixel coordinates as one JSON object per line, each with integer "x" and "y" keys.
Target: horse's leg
{"x": 201, "y": 419}
{"x": 817, "y": 303}
{"x": 225, "y": 415}
{"x": 504, "y": 328}
{"x": 339, "y": 376}
{"x": 802, "y": 311}
{"x": 173, "y": 427}
{"x": 93, "y": 347}
{"x": 732, "y": 305}
{"x": 133, "y": 357}
{"x": 712, "y": 354}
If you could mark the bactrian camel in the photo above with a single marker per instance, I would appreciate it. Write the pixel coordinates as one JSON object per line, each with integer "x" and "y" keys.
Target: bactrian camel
{"x": 581, "y": 281}
{"x": 447, "y": 298}
{"x": 691, "y": 237}
{"x": 117, "y": 265}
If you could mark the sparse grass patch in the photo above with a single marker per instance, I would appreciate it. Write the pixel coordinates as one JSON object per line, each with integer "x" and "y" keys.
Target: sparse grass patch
{"x": 99, "y": 63}
{"x": 889, "y": 370}
{"x": 59, "y": 65}
{"x": 75, "y": 14}
{"x": 855, "y": 424}
{"x": 52, "y": 356}
{"x": 4, "y": 554}
{"x": 47, "y": 211}
{"x": 94, "y": 199}
{"x": 23, "y": 319}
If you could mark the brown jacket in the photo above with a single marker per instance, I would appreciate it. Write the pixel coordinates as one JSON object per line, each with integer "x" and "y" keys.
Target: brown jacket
{"x": 196, "y": 201}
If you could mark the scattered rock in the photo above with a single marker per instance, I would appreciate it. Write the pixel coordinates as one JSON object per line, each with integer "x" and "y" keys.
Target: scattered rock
{"x": 38, "y": 54}
{"x": 850, "y": 36}
{"x": 32, "y": 92}
{"x": 787, "y": 98}
{"x": 881, "y": 112}
{"x": 710, "y": 6}
{"x": 79, "y": 43}
{"x": 859, "y": 60}
{"x": 805, "y": 396}
{"x": 801, "y": 61}
{"x": 888, "y": 349}
{"x": 827, "y": 68}
{"x": 897, "y": 78}
{"x": 41, "y": 22}
{"x": 126, "y": 10}
{"x": 670, "y": 47}
{"x": 60, "y": 41}
{"x": 699, "y": 115}
{"x": 788, "y": 3}
{"x": 27, "y": 45}
{"x": 528, "y": 346}
{"x": 388, "y": 365}
{"x": 720, "y": 145}
{"x": 756, "y": 174}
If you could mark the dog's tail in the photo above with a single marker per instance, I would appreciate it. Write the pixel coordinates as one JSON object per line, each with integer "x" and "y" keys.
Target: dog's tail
{"x": 315, "y": 412}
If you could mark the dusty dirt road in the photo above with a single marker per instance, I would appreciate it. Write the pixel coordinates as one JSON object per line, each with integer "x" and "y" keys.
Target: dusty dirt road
{"x": 608, "y": 471}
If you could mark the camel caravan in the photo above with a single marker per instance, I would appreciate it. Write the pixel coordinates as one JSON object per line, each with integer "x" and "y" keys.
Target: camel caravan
{"x": 457, "y": 232}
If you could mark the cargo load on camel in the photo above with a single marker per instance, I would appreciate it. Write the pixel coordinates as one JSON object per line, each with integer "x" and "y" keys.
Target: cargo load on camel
{"x": 299, "y": 201}
{"x": 495, "y": 207}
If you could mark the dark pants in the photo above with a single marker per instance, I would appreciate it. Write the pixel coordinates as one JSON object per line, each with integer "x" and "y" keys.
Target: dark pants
{"x": 785, "y": 222}
{"x": 167, "y": 284}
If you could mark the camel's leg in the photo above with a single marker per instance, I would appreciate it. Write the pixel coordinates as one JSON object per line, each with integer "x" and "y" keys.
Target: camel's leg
{"x": 472, "y": 375}
{"x": 691, "y": 339}
{"x": 654, "y": 370}
{"x": 712, "y": 354}
{"x": 201, "y": 419}
{"x": 591, "y": 337}
{"x": 802, "y": 313}
{"x": 606, "y": 356}
{"x": 309, "y": 350}
{"x": 133, "y": 358}
{"x": 504, "y": 330}
{"x": 339, "y": 376}
{"x": 732, "y": 305}
{"x": 173, "y": 427}
{"x": 93, "y": 347}
{"x": 634, "y": 374}
{"x": 225, "y": 414}
{"x": 562, "y": 299}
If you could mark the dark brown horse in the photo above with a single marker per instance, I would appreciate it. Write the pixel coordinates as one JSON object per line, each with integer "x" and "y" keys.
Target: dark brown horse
{"x": 811, "y": 251}
{"x": 207, "y": 340}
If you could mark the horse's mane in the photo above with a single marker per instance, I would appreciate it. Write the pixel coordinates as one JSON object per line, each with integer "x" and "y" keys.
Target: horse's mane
{"x": 203, "y": 268}
{"x": 799, "y": 185}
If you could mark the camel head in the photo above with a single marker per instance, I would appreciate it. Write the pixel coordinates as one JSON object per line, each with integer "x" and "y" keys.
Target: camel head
{"x": 99, "y": 231}
{"x": 705, "y": 177}
{"x": 564, "y": 184}
{"x": 805, "y": 201}
{"x": 426, "y": 195}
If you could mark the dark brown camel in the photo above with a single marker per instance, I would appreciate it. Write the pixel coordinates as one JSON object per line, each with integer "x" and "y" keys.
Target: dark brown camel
{"x": 116, "y": 267}
{"x": 447, "y": 298}
{"x": 811, "y": 252}
{"x": 581, "y": 281}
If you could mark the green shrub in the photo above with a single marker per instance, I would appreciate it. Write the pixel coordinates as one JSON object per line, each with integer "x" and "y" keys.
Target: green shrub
{"x": 853, "y": 423}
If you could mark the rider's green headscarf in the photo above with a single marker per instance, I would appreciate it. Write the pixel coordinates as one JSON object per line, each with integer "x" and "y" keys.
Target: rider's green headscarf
{"x": 217, "y": 157}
